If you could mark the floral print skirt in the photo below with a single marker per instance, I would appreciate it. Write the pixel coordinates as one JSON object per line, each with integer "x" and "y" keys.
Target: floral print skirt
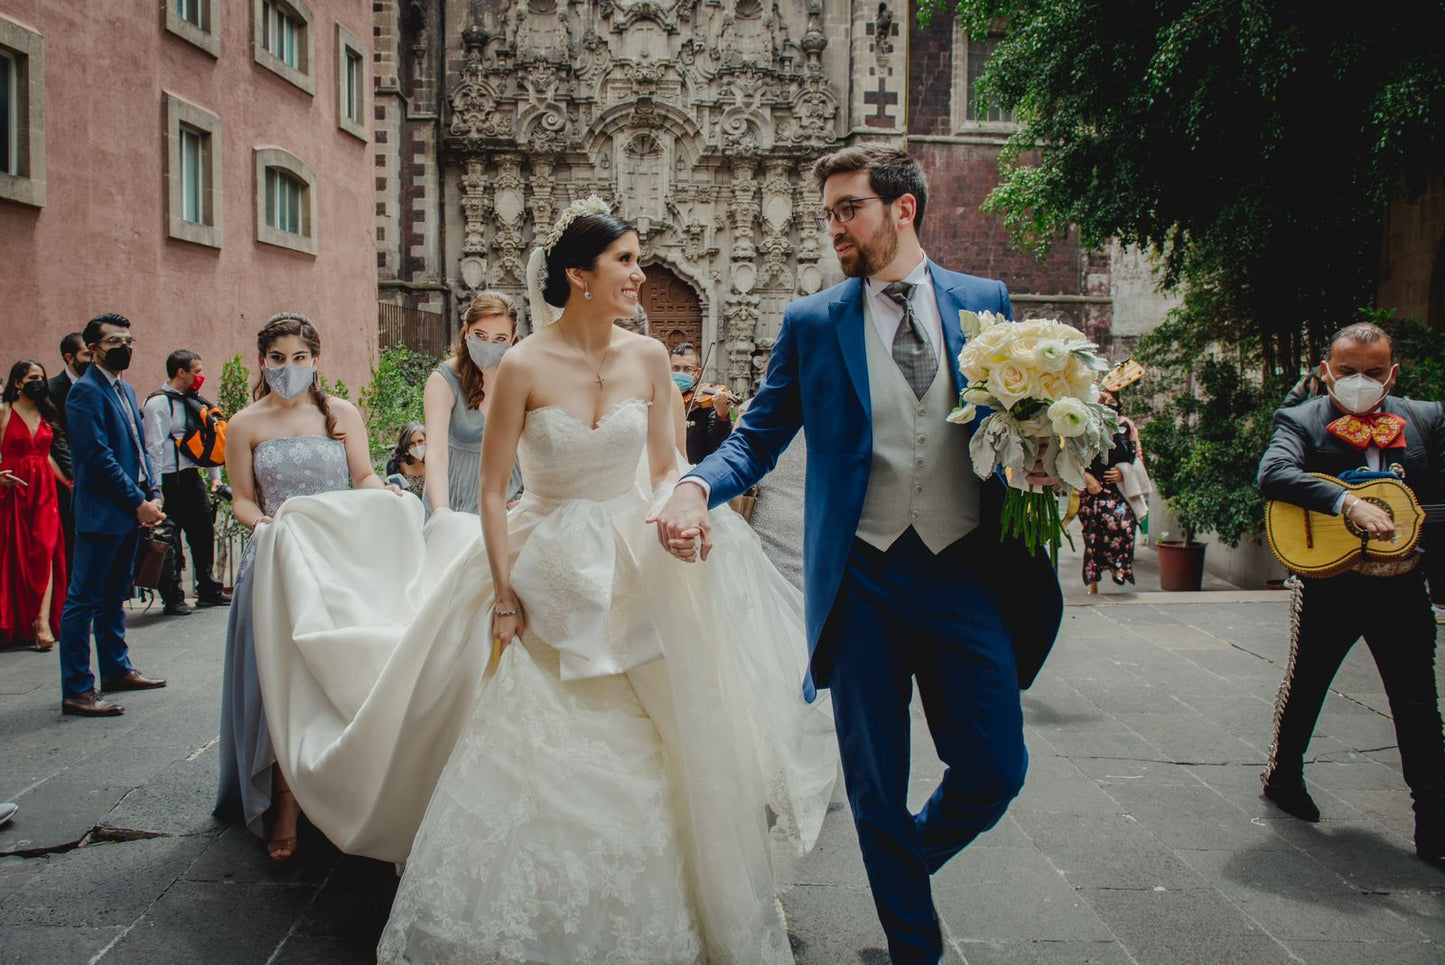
{"x": 1108, "y": 524}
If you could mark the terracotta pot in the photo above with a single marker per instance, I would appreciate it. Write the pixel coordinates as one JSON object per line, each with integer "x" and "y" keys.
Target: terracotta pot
{"x": 1181, "y": 565}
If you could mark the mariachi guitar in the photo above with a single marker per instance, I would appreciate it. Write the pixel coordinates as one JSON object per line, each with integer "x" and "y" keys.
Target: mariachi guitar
{"x": 1317, "y": 544}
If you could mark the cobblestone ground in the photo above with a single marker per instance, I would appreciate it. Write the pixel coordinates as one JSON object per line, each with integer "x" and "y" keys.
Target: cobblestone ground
{"x": 1140, "y": 837}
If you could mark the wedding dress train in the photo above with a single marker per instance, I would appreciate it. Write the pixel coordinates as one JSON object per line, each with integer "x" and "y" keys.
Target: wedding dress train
{"x": 621, "y": 788}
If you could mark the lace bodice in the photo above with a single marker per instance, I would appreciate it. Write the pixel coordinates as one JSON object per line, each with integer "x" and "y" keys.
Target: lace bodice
{"x": 298, "y": 466}
{"x": 564, "y": 458}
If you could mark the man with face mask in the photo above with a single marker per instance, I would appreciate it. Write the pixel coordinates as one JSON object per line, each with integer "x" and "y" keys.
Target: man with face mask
{"x": 1359, "y": 425}
{"x": 707, "y": 422}
{"x": 117, "y": 491}
{"x": 76, "y": 356}
{"x": 187, "y": 498}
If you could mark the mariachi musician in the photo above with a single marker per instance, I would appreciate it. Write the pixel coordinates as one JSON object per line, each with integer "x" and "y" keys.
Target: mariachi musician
{"x": 708, "y": 407}
{"x": 1359, "y": 425}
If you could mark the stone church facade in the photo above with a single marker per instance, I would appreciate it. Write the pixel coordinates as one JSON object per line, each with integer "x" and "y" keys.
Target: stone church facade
{"x": 698, "y": 120}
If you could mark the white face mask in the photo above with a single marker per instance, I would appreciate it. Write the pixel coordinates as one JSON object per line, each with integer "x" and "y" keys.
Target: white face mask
{"x": 1356, "y": 394}
{"x": 288, "y": 381}
{"x": 486, "y": 354}
{"x": 417, "y": 452}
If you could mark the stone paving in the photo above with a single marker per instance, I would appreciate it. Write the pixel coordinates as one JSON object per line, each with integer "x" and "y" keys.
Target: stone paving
{"x": 1140, "y": 837}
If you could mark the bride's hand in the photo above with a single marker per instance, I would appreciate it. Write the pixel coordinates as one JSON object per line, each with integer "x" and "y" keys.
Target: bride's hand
{"x": 508, "y": 621}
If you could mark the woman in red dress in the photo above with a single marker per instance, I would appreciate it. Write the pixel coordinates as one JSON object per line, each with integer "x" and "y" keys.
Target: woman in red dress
{"x": 32, "y": 550}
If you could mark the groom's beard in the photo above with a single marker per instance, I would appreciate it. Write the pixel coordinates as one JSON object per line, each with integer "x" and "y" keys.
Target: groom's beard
{"x": 870, "y": 257}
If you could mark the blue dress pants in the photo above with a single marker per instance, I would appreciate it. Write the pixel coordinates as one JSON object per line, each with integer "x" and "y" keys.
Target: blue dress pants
{"x": 901, "y": 616}
{"x": 100, "y": 582}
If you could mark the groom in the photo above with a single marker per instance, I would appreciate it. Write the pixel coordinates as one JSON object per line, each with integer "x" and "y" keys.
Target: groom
{"x": 905, "y": 576}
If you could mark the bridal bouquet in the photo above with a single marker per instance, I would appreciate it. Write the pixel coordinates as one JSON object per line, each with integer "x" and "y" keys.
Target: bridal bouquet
{"x": 1037, "y": 377}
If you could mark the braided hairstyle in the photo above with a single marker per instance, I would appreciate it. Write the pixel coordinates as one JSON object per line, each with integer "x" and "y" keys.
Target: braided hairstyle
{"x": 278, "y": 327}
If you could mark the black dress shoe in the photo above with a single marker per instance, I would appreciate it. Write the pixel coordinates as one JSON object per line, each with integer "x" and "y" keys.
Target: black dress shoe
{"x": 131, "y": 681}
{"x": 177, "y": 609}
{"x": 213, "y": 599}
{"x": 90, "y": 704}
{"x": 1290, "y": 796}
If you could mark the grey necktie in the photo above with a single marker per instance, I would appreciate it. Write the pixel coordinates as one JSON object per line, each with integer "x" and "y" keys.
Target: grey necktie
{"x": 911, "y": 349}
{"x": 134, "y": 433}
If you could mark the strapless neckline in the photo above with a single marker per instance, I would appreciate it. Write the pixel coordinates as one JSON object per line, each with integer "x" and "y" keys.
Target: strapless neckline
{"x": 612, "y": 410}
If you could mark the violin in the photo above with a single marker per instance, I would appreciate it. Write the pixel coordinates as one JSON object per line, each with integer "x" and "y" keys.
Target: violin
{"x": 706, "y": 394}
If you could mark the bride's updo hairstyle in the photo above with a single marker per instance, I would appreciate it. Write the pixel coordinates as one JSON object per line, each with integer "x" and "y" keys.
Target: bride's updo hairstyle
{"x": 278, "y": 327}
{"x": 582, "y": 241}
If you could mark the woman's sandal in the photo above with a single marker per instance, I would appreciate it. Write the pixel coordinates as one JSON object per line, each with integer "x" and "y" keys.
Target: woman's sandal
{"x": 43, "y": 644}
{"x": 1118, "y": 577}
{"x": 282, "y": 851}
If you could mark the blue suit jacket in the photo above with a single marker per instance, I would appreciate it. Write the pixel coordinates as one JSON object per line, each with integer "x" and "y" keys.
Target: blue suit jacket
{"x": 817, "y": 378}
{"x": 104, "y": 455}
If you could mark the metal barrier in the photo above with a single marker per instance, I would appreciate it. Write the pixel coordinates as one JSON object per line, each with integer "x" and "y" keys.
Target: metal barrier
{"x": 419, "y": 330}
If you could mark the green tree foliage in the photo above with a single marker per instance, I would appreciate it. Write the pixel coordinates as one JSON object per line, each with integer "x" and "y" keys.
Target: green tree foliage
{"x": 1250, "y": 144}
{"x": 235, "y": 386}
{"x": 394, "y": 396}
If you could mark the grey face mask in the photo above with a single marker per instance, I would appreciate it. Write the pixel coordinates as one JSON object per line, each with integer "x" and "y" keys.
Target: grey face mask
{"x": 486, "y": 354}
{"x": 288, "y": 381}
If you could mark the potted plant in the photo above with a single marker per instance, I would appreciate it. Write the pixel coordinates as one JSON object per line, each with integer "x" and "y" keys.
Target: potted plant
{"x": 1203, "y": 449}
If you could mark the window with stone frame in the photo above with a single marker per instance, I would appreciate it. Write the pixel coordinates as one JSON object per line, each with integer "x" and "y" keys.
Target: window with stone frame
{"x": 970, "y": 113}
{"x": 193, "y": 151}
{"x": 285, "y": 201}
{"x": 22, "y": 114}
{"x": 353, "y": 84}
{"x": 284, "y": 42}
{"x": 195, "y": 21}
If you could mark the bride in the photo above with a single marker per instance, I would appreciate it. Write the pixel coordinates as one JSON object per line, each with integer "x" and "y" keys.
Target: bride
{"x": 621, "y": 781}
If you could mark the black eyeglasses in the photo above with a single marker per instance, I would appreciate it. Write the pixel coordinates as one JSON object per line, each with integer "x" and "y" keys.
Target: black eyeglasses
{"x": 847, "y": 209}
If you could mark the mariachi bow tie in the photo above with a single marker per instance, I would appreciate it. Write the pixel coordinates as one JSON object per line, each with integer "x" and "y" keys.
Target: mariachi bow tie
{"x": 1361, "y": 431}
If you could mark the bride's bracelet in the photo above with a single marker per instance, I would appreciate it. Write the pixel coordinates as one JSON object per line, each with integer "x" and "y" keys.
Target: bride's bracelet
{"x": 507, "y": 613}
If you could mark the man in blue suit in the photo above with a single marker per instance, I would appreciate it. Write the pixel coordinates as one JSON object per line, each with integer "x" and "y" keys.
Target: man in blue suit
{"x": 117, "y": 492}
{"x": 905, "y": 578}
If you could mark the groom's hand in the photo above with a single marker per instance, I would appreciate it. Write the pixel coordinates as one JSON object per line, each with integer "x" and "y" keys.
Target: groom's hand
{"x": 683, "y": 522}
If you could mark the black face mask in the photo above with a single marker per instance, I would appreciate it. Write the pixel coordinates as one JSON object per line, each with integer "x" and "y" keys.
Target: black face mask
{"x": 117, "y": 359}
{"x": 80, "y": 367}
{"x": 34, "y": 391}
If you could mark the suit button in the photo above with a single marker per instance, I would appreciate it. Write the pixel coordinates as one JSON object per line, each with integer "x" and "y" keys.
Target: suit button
{"x": 922, "y": 440}
{"x": 914, "y": 514}
{"x": 918, "y": 489}
{"x": 922, "y": 411}
{"x": 919, "y": 464}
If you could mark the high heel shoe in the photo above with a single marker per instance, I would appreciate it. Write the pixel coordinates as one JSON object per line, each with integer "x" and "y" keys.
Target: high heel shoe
{"x": 45, "y": 642}
{"x": 1118, "y": 577}
{"x": 282, "y": 851}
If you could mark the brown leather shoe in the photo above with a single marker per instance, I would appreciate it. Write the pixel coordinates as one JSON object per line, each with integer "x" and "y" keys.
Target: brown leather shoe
{"x": 90, "y": 704}
{"x": 131, "y": 681}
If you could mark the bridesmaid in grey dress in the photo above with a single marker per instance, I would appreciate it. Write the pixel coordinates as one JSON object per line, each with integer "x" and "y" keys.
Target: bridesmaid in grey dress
{"x": 293, "y": 440}
{"x": 455, "y": 401}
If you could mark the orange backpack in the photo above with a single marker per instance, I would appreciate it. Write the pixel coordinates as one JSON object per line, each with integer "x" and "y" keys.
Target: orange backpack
{"x": 204, "y": 440}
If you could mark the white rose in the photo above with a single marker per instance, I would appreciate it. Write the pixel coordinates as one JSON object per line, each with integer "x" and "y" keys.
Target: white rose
{"x": 1051, "y": 355}
{"x": 977, "y": 394}
{"x": 963, "y": 416}
{"x": 1069, "y": 418}
{"x": 1080, "y": 376}
{"x": 1009, "y": 383}
{"x": 971, "y": 363}
{"x": 1022, "y": 349}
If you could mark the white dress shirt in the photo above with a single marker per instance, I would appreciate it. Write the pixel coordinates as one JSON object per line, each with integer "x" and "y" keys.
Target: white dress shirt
{"x": 165, "y": 422}
{"x": 886, "y": 314}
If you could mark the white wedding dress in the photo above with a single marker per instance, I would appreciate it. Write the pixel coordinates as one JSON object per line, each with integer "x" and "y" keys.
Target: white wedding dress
{"x": 621, "y": 788}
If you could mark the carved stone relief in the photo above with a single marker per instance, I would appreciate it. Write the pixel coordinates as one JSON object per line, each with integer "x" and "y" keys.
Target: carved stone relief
{"x": 697, "y": 119}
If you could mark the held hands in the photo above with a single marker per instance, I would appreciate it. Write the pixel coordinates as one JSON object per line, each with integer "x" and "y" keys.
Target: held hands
{"x": 1092, "y": 485}
{"x": 149, "y": 513}
{"x": 1113, "y": 475}
{"x": 683, "y": 522}
{"x": 1370, "y": 518}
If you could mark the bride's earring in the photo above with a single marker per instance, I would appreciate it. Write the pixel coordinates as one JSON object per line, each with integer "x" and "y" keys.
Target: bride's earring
{"x": 586, "y": 292}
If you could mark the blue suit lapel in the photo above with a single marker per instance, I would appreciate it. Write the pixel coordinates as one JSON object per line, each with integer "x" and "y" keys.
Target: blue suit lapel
{"x": 950, "y": 303}
{"x": 846, "y": 314}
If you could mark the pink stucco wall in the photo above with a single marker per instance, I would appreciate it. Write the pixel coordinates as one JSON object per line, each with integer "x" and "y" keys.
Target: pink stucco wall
{"x": 100, "y": 242}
